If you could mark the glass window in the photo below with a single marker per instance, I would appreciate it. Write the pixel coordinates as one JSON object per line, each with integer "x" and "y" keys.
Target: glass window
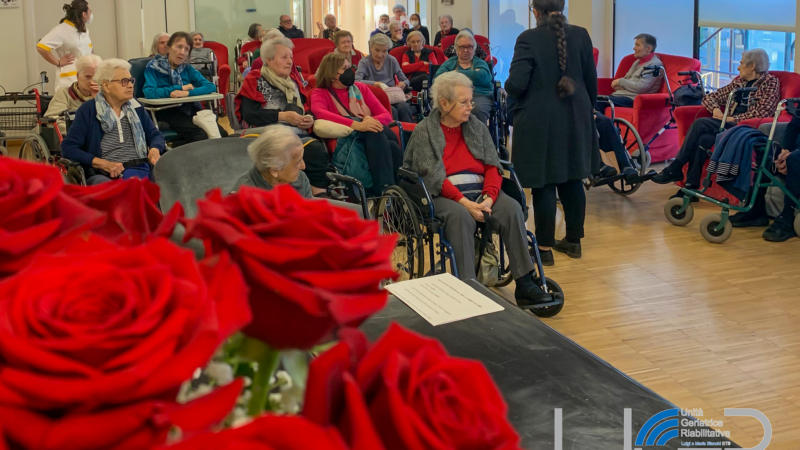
{"x": 507, "y": 19}
{"x": 721, "y": 50}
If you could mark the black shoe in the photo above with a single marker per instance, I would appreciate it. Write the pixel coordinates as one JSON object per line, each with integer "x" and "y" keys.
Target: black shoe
{"x": 546, "y": 256}
{"x": 779, "y": 231}
{"x": 668, "y": 176}
{"x": 606, "y": 171}
{"x": 528, "y": 294}
{"x": 748, "y": 219}
{"x": 630, "y": 174}
{"x": 572, "y": 250}
{"x": 682, "y": 194}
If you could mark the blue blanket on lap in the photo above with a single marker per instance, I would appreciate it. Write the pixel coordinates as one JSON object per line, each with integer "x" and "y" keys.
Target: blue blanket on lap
{"x": 733, "y": 159}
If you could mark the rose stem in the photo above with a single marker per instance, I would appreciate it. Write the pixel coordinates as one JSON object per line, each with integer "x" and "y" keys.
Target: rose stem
{"x": 267, "y": 365}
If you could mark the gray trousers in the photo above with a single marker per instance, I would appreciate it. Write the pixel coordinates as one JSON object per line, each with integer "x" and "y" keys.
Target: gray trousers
{"x": 483, "y": 107}
{"x": 507, "y": 220}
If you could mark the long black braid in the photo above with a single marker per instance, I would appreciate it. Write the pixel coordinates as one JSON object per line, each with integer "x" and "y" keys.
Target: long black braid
{"x": 550, "y": 13}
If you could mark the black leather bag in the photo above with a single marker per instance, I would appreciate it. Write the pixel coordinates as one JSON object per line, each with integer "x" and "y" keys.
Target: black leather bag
{"x": 689, "y": 95}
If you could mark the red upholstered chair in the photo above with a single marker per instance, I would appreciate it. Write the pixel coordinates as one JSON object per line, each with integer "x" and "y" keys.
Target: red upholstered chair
{"x": 483, "y": 41}
{"x": 686, "y": 115}
{"x": 223, "y": 67}
{"x": 448, "y": 41}
{"x": 249, "y": 47}
{"x": 651, "y": 112}
{"x": 596, "y": 53}
{"x": 303, "y": 48}
{"x": 398, "y": 53}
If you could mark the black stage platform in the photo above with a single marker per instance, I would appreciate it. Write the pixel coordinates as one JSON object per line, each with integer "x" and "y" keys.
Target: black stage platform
{"x": 539, "y": 370}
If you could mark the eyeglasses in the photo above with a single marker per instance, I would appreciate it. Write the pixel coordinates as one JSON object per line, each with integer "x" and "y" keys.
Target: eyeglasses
{"x": 464, "y": 48}
{"x": 124, "y": 81}
{"x": 467, "y": 104}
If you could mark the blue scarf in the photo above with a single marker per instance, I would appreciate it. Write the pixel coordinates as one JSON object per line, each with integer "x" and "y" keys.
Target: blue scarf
{"x": 108, "y": 122}
{"x": 161, "y": 65}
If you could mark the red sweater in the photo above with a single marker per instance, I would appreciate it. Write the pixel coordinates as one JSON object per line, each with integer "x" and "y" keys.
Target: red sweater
{"x": 324, "y": 107}
{"x": 418, "y": 66}
{"x": 457, "y": 158}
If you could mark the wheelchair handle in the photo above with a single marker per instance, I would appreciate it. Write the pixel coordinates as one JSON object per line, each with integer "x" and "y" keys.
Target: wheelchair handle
{"x": 344, "y": 178}
{"x": 406, "y": 173}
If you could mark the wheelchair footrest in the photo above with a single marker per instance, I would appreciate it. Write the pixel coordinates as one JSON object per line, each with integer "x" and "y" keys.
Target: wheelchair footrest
{"x": 597, "y": 181}
{"x": 557, "y": 301}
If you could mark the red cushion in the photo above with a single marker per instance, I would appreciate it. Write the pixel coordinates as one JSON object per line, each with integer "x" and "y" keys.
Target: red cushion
{"x": 303, "y": 48}
{"x": 596, "y": 53}
{"x": 315, "y": 59}
{"x": 251, "y": 46}
{"x": 448, "y": 40}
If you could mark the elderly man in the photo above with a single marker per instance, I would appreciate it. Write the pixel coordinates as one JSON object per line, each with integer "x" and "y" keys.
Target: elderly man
{"x": 71, "y": 98}
{"x": 635, "y": 82}
{"x": 288, "y": 29}
{"x": 476, "y": 69}
{"x": 383, "y": 26}
{"x": 330, "y": 28}
{"x": 277, "y": 159}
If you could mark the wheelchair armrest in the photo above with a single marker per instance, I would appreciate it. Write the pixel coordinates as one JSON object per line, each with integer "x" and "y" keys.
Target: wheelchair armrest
{"x": 651, "y": 101}
{"x": 68, "y": 162}
{"x": 506, "y": 165}
{"x": 410, "y": 175}
{"x": 604, "y": 86}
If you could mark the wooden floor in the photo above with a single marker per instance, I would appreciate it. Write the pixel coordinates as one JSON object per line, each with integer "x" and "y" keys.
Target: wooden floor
{"x": 705, "y": 326}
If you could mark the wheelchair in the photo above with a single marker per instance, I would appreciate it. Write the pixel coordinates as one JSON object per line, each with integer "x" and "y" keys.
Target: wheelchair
{"x": 716, "y": 228}
{"x": 407, "y": 210}
{"x": 42, "y": 142}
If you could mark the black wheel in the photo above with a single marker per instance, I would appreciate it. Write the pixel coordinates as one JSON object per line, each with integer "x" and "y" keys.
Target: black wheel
{"x": 641, "y": 161}
{"x": 34, "y": 149}
{"x": 397, "y": 214}
{"x": 504, "y": 268}
{"x": 558, "y": 296}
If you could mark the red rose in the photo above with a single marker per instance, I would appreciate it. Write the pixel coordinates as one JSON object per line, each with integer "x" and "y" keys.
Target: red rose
{"x": 82, "y": 330}
{"x": 132, "y": 207}
{"x": 131, "y": 427}
{"x": 35, "y": 215}
{"x": 408, "y": 389}
{"x": 311, "y": 267}
{"x": 269, "y": 433}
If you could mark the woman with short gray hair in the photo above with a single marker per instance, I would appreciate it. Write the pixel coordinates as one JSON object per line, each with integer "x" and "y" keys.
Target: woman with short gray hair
{"x": 753, "y": 72}
{"x": 396, "y": 34}
{"x": 272, "y": 95}
{"x": 159, "y": 46}
{"x": 277, "y": 159}
{"x": 73, "y": 97}
{"x": 476, "y": 69}
{"x": 381, "y": 69}
{"x": 454, "y": 154}
{"x": 446, "y": 25}
{"x": 201, "y": 58}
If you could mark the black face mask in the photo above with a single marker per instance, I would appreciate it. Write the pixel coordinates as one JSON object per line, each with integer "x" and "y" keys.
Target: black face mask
{"x": 348, "y": 78}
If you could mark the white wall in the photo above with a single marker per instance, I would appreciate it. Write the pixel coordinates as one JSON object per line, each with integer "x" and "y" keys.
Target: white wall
{"x": 13, "y": 57}
{"x": 470, "y": 14}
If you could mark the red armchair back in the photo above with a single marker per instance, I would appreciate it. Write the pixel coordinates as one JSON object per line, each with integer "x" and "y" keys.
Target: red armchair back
{"x": 315, "y": 59}
{"x": 303, "y": 48}
{"x": 672, "y": 64}
{"x": 596, "y": 54}
{"x": 223, "y": 65}
{"x": 251, "y": 46}
{"x": 448, "y": 41}
{"x": 398, "y": 53}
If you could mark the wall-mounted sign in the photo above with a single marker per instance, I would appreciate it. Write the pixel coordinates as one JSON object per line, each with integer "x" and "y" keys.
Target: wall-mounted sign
{"x": 9, "y": 3}
{"x": 250, "y": 10}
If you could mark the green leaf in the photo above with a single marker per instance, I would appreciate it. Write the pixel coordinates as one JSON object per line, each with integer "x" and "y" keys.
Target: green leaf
{"x": 295, "y": 362}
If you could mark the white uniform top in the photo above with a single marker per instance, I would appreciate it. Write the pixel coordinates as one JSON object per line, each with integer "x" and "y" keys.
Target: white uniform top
{"x": 64, "y": 39}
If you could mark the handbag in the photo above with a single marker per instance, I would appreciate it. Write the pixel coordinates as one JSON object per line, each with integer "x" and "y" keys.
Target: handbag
{"x": 327, "y": 129}
{"x": 396, "y": 95}
{"x": 488, "y": 261}
{"x": 689, "y": 95}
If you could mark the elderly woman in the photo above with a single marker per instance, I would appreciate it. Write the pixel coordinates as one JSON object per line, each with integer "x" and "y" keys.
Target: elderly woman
{"x": 446, "y": 25}
{"x": 416, "y": 63}
{"x": 112, "y": 135}
{"x": 71, "y": 98}
{"x": 476, "y": 69}
{"x": 277, "y": 159}
{"x": 172, "y": 76}
{"x": 344, "y": 45}
{"x": 330, "y": 27}
{"x": 201, "y": 57}
{"x": 272, "y": 33}
{"x": 159, "y": 46}
{"x": 383, "y": 26}
{"x": 396, "y": 34}
{"x": 753, "y": 72}
{"x": 399, "y": 12}
{"x": 415, "y": 24}
{"x": 254, "y": 33}
{"x": 454, "y": 154}
{"x": 381, "y": 69}
{"x": 273, "y": 95}
{"x": 338, "y": 98}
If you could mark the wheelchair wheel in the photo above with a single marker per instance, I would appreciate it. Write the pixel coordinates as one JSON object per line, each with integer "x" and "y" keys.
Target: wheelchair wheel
{"x": 396, "y": 213}
{"x": 641, "y": 161}
{"x": 558, "y": 295}
{"x": 3, "y": 151}
{"x": 708, "y": 228}
{"x": 34, "y": 149}
{"x": 674, "y": 217}
{"x": 504, "y": 269}
{"x": 797, "y": 224}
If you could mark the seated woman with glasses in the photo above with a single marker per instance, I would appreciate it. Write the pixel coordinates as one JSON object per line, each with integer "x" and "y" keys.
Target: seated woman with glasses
{"x": 112, "y": 135}
{"x": 476, "y": 70}
{"x": 454, "y": 154}
{"x": 382, "y": 69}
{"x": 172, "y": 76}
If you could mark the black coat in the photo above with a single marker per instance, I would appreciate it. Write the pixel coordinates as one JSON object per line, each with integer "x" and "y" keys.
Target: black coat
{"x": 555, "y": 139}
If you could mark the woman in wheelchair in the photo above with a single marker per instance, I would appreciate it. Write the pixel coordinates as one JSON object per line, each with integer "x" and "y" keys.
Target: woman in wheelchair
{"x": 338, "y": 98}
{"x": 113, "y": 136}
{"x": 71, "y": 98}
{"x": 272, "y": 95}
{"x": 454, "y": 154}
{"x": 382, "y": 69}
{"x": 172, "y": 76}
{"x": 417, "y": 60}
{"x": 753, "y": 72}
{"x": 277, "y": 159}
{"x": 201, "y": 57}
{"x": 476, "y": 69}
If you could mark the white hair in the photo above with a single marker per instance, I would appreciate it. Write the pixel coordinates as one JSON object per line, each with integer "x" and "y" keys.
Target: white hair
{"x": 445, "y": 87}
{"x": 272, "y": 33}
{"x": 448, "y": 17}
{"x": 156, "y": 38}
{"x": 466, "y": 34}
{"x": 394, "y": 25}
{"x": 329, "y": 15}
{"x": 400, "y": 7}
{"x": 758, "y": 57}
{"x": 105, "y": 70}
{"x": 195, "y": 33}
{"x": 416, "y": 34}
{"x": 272, "y": 150}
{"x": 86, "y": 61}
{"x": 270, "y": 48}
{"x": 380, "y": 39}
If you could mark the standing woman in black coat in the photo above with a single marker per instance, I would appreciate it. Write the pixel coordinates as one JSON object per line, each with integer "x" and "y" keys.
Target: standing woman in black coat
{"x": 554, "y": 80}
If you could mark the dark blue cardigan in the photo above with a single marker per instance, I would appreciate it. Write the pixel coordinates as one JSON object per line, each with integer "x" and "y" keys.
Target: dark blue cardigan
{"x": 82, "y": 143}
